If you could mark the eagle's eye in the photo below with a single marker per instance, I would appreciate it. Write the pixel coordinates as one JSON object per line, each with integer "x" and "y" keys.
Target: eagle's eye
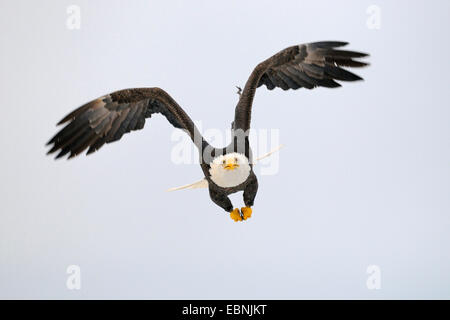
{"x": 223, "y": 162}
{"x": 236, "y": 160}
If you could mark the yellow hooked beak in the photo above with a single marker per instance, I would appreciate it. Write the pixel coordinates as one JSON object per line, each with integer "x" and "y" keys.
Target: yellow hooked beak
{"x": 230, "y": 164}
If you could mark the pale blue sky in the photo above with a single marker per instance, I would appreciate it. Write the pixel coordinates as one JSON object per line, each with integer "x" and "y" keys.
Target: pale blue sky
{"x": 364, "y": 178}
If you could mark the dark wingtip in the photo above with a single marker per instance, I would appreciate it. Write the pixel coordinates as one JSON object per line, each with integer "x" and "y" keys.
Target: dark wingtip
{"x": 52, "y": 140}
{"x": 359, "y": 64}
{"x": 358, "y": 54}
{"x": 75, "y": 154}
{"x": 63, "y": 120}
{"x": 52, "y": 150}
{"x": 329, "y": 44}
{"x": 341, "y": 74}
{"x": 62, "y": 153}
{"x": 90, "y": 151}
{"x": 59, "y": 155}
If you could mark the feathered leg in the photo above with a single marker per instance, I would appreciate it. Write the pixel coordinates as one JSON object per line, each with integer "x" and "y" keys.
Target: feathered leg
{"x": 250, "y": 192}
{"x": 224, "y": 202}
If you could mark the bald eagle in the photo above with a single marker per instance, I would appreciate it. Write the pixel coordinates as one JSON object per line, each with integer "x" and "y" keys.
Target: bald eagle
{"x": 226, "y": 170}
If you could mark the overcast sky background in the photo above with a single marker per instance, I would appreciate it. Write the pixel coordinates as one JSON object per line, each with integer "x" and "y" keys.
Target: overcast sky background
{"x": 364, "y": 178}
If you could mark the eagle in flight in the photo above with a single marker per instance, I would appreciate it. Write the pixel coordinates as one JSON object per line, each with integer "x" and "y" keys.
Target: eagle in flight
{"x": 226, "y": 170}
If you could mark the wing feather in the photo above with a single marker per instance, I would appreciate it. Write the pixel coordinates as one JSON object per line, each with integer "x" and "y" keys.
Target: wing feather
{"x": 108, "y": 118}
{"x": 317, "y": 64}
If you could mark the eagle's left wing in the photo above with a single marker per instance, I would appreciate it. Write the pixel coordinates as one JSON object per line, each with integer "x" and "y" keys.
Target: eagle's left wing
{"x": 308, "y": 66}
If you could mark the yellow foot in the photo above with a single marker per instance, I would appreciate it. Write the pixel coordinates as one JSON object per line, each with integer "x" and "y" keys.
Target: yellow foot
{"x": 236, "y": 215}
{"x": 246, "y": 212}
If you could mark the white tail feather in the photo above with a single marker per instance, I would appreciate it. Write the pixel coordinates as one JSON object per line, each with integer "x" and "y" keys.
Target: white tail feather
{"x": 268, "y": 153}
{"x": 196, "y": 185}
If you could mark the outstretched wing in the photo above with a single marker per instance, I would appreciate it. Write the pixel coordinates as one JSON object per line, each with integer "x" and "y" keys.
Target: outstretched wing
{"x": 303, "y": 66}
{"x": 107, "y": 118}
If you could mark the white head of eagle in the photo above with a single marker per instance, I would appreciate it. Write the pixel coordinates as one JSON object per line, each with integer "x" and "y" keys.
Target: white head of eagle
{"x": 229, "y": 170}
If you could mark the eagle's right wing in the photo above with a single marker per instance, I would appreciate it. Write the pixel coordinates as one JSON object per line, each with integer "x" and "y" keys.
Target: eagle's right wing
{"x": 107, "y": 118}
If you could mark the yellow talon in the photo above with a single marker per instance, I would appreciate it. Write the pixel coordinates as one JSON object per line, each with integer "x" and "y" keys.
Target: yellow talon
{"x": 236, "y": 215}
{"x": 246, "y": 212}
